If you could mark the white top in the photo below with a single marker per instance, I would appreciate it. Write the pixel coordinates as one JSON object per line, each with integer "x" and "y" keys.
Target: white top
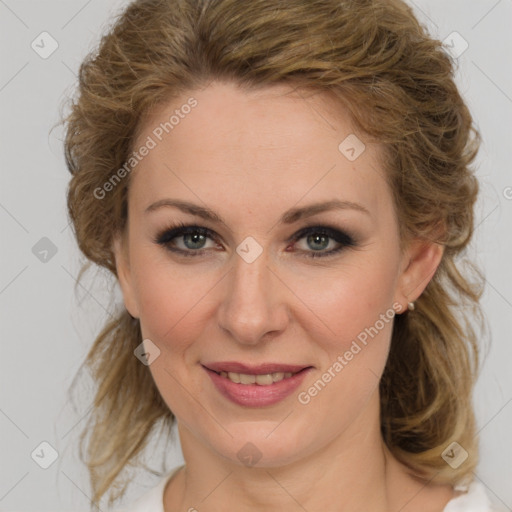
{"x": 474, "y": 500}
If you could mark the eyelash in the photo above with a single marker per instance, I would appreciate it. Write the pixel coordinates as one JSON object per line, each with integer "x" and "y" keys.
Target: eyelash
{"x": 180, "y": 229}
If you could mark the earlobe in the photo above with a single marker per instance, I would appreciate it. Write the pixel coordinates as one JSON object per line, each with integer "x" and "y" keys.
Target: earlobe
{"x": 124, "y": 275}
{"x": 422, "y": 258}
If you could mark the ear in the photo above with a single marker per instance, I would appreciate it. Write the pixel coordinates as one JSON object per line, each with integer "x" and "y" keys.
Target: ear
{"x": 124, "y": 275}
{"x": 420, "y": 262}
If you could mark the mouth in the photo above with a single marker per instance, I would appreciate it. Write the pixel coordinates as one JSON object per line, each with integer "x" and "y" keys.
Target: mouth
{"x": 261, "y": 375}
{"x": 264, "y": 379}
{"x": 256, "y": 386}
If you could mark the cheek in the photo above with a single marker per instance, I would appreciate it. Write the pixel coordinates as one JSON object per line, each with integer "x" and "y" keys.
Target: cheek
{"x": 170, "y": 297}
{"x": 335, "y": 305}
{"x": 356, "y": 312}
{"x": 354, "y": 299}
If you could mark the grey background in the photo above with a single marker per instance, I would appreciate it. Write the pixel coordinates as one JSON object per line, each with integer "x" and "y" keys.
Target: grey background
{"x": 47, "y": 328}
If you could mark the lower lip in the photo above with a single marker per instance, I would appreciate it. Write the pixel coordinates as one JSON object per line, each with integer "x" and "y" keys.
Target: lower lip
{"x": 254, "y": 395}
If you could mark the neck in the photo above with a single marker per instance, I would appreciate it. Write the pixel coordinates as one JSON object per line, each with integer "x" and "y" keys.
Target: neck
{"x": 352, "y": 472}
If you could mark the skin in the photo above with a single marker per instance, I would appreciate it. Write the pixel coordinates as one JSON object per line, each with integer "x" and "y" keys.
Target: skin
{"x": 251, "y": 156}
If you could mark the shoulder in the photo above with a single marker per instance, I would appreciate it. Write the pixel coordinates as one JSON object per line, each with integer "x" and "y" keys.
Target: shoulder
{"x": 153, "y": 499}
{"x": 473, "y": 498}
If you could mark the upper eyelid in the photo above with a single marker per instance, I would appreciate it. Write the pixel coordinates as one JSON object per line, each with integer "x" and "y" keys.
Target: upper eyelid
{"x": 297, "y": 235}
{"x": 311, "y": 225}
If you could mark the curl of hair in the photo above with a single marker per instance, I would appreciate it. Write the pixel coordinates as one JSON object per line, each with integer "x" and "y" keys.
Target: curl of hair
{"x": 397, "y": 83}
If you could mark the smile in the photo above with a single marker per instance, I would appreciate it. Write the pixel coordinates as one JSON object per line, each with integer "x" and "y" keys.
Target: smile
{"x": 256, "y": 386}
{"x": 264, "y": 379}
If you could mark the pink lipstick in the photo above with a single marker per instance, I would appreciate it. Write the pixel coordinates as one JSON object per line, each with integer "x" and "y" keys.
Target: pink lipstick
{"x": 256, "y": 385}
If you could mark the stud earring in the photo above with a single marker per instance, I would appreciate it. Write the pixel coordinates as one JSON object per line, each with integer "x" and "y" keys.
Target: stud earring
{"x": 411, "y": 306}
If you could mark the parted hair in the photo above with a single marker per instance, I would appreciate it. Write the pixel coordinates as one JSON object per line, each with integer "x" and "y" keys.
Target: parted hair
{"x": 397, "y": 82}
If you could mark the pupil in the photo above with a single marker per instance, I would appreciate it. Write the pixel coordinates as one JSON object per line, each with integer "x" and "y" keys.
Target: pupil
{"x": 315, "y": 239}
{"x": 196, "y": 238}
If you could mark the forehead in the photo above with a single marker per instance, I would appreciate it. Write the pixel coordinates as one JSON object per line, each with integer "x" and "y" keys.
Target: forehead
{"x": 268, "y": 147}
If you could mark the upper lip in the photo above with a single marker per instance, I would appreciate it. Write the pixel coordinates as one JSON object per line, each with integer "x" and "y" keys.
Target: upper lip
{"x": 235, "y": 367}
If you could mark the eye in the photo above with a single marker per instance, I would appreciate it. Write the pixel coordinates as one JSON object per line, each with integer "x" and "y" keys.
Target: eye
{"x": 319, "y": 238}
{"x": 190, "y": 240}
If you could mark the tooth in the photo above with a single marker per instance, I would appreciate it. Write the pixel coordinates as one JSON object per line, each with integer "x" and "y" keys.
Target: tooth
{"x": 278, "y": 376}
{"x": 235, "y": 377}
{"x": 264, "y": 380}
{"x": 247, "y": 379}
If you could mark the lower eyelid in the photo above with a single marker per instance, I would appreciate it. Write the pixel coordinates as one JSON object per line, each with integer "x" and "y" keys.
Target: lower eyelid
{"x": 186, "y": 251}
{"x": 339, "y": 237}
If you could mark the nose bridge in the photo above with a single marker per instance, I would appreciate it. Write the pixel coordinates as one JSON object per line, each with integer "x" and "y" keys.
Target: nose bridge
{"x": 251, "y": 304}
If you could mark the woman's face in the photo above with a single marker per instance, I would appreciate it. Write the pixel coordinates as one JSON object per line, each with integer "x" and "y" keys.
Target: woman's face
{"x": 277, "y": 282}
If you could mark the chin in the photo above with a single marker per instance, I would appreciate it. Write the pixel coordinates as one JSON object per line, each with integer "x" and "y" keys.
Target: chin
{"x": 261, "y": 447}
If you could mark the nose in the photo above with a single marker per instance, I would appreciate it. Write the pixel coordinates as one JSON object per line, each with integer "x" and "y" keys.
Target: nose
{"x": 253, "y": 306}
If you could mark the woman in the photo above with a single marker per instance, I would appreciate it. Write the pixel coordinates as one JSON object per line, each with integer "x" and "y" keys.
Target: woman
{"x": 283, "y": 191}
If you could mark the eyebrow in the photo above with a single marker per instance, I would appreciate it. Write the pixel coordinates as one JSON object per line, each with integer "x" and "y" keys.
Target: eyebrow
{"x": 289, "y": 217}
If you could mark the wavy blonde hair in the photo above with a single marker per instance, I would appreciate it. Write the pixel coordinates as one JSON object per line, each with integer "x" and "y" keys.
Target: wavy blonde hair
{"x": 398, "y": 84}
